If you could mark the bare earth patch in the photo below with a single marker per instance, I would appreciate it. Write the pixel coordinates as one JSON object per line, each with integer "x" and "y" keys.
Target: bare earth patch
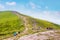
{"x": 48, "y": 35}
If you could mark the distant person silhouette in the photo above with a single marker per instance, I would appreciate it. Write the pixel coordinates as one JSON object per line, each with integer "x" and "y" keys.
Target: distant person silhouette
{"x": 14, "y": 33}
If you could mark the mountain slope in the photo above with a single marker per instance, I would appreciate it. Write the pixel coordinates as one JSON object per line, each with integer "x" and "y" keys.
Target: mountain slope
{"x": 12, "y": 21}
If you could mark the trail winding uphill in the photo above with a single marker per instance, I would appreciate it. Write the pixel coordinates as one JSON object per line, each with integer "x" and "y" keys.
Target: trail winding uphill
{"x": 24, "y": 19}
{"x": 25, "y": 22}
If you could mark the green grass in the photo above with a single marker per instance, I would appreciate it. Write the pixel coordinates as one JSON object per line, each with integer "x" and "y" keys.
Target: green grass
{"x": 10, "y": 23}
{"x": 46, "y": 24}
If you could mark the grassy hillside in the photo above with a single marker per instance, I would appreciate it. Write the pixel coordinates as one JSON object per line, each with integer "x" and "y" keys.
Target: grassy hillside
{"x": 9, "y": 23}
{"x": 12, "y": 21}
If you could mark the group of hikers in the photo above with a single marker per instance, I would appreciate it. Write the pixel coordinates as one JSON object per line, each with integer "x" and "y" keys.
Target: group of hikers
{"x": 16, "y": 33}
{"x": 49, "y": 28}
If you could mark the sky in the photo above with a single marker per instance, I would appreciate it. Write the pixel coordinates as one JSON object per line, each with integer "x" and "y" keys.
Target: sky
{"x": 43, "y": 9}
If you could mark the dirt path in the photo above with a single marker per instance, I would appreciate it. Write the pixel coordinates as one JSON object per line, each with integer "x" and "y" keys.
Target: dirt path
{"x": 24, "y": 19}
{"x": 48, "y": 35}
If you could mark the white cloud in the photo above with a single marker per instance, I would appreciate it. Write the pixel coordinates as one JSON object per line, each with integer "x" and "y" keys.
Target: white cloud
{"x": 1, "y": 6}
{"x": 32, "y": 5}
{"x": 52, "y": 16}
{"x": 57, "y": 13}
{"x": 11, "y": 3}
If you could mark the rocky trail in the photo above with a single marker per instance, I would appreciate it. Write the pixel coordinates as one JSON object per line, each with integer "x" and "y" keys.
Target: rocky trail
{"x": 24, "y": 19}
{"x": 48, "y": 35}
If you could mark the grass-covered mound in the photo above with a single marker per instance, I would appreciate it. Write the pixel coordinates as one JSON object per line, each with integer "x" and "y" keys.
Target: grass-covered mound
{"x": 9, "y": 23}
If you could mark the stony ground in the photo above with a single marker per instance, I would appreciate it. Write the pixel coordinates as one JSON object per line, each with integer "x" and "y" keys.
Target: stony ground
{"x": 48, "y": 35}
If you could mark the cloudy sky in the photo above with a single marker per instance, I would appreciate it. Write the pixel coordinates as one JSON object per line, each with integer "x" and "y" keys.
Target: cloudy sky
{"x": 42, "y": 9}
